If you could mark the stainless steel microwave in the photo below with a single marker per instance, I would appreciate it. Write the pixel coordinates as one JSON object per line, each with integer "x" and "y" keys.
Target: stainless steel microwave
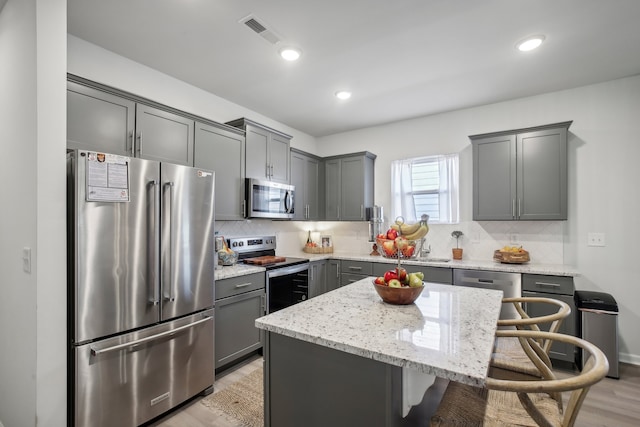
{"x": 266, "y": 199}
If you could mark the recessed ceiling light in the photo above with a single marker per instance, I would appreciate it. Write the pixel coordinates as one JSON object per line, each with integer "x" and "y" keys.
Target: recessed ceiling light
{"x": 343, "y": 94}
{"x": 290, "y": 53}
{"x": 530, "y": 43}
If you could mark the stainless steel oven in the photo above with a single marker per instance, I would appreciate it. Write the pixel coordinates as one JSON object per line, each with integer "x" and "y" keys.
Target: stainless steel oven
{"x": 287, "y": 278}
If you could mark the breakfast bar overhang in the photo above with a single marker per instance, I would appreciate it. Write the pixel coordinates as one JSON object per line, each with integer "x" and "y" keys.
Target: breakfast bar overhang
{"x": 346, "y": 358}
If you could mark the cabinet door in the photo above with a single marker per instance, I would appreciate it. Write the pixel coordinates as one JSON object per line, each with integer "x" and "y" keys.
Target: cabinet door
{"x": 298, "y": 175}
{"x": 352, "y": 178}
{"x": 312, "y": 189}
{"x": 99, "y": 121}
{"x": 163, "y": 136}
{"x": 257, "y": 162}
{"x": 317, "y": 279}
{"x": 235, "y": 332}
{"x": 332, "y": 189}
{"x": 494, "y": 178}
{"x": 542, "y": 175}
{"x": 279, "y": 158}
{"x": 222, "y": 152}
{"x": 559, "y": 350}
{"x": 333, "y": 274}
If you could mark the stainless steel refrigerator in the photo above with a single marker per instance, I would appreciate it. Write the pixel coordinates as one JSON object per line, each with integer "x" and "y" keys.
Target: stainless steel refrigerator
{"x": 141, "y": 290}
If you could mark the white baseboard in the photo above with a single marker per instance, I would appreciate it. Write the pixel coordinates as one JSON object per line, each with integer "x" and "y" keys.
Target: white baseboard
{"x": 633, "y": 359}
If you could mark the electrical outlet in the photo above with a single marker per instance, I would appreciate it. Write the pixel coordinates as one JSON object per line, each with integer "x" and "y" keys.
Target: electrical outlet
{"x": 26, "y": 260}
{"x": 595, "y": 239}
{"x": 513, "y": 238}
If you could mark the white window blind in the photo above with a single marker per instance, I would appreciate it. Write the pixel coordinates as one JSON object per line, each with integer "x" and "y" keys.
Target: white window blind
{"x": 426, "y": 185}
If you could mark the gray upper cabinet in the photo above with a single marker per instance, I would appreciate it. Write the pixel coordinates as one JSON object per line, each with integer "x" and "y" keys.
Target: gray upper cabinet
{"x": 222, "y": 150}
{"x": 521, "y": 174}
{"x": 349, "y": 186}
{"x": 305, "y": 176}
{"x": 267, "y": 151}
{"x": 101, "y": 121}
{"x": 163, "y": 136}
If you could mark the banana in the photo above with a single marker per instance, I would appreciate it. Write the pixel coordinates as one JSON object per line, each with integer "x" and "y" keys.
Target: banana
{"x": 422, "y": 231}
{"x": 405, "y": 229}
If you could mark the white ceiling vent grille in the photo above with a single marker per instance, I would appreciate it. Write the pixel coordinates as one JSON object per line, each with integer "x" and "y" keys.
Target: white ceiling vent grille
{"x": 260, "y": 28}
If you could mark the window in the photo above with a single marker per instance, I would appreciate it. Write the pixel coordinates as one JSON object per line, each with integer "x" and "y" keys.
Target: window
{"x": 425, "y": 185}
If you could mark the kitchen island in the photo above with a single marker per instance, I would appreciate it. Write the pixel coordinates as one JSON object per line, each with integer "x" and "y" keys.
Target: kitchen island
{"x": 345, "y": 358}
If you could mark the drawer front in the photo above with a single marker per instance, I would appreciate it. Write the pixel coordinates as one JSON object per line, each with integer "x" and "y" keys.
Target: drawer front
{"x": 348, "y": 278}
{"x": 356, "y": 267}
{"x": 239, "y": 285}
{"x": 548, "y": 284}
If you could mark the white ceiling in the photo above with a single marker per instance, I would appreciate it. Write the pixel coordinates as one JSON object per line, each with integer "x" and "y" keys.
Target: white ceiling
{"x": 401, "y": 58}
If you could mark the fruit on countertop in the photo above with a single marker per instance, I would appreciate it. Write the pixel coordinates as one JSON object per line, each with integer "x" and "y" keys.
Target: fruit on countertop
{"x": 512, "y": 249}
{"x": 399, "y": 278}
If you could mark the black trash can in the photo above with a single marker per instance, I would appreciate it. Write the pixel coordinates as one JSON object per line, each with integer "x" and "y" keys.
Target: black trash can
{"x": 598, "y": 324}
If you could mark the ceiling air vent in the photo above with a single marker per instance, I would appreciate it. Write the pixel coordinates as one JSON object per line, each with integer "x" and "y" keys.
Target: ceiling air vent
{"x": 260, "y": 28}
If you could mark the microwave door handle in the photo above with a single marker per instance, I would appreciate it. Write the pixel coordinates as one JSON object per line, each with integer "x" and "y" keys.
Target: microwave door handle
{"x": 287, "y": 202}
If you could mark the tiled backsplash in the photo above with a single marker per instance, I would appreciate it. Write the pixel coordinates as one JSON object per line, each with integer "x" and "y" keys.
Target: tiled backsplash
{"x": 543, "y": 239}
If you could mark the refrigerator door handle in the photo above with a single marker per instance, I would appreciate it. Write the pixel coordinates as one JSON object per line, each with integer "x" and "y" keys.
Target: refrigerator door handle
{"x": 156, "y": 238}
{"x": 169, "y": 259}
{"x": 96, "y": 352}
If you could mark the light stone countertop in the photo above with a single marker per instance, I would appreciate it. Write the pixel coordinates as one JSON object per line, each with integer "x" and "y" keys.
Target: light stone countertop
{"x": 529, "y": 268}
{"x": 236, "y": 270}
{"x": 448, "y": 332}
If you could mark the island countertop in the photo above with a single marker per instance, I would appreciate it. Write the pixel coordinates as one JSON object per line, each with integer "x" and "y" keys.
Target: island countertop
{"x": 448, "y": 332}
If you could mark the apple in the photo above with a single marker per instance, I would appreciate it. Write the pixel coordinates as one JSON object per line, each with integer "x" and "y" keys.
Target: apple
{"x": 392, "y": 234}
{"x": 402, "y": 275}
{"x": 381, "y": 236}
{"x": 390, "y": 275}
{"x": 408, "y": 251}
{"x": 395, "y": 283}
{"x": 380, "y": 281}
{"x": 401, "y": 242}
{"x": 389, "y": 247}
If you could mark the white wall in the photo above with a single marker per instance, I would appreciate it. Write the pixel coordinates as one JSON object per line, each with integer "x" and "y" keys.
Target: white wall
{"x": 32, "y": 131}
{"x": 604, "y": 148}
{"x": 95, "y": 63}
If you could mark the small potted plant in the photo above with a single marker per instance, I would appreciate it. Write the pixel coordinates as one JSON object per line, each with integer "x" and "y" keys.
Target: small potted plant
{"x": 457, "y": 251}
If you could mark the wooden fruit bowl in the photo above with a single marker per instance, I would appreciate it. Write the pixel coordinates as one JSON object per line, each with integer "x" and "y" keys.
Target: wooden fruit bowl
{"x": 398, "y": 296}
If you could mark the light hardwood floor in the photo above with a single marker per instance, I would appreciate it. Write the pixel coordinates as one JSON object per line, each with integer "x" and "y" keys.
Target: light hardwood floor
{"x": 610, "y": 403}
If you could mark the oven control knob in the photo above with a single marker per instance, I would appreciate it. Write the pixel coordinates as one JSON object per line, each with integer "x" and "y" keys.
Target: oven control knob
{"x": 234, "y": 244}
{"x": 241, "y": 243}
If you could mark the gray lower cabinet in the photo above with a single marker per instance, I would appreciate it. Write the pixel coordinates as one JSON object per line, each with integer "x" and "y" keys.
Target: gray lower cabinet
{"x": 431, "y": 274}
{"x": 560, "y": 288}
{"x": 306, "y": 171}
{"x": 352, "y": 271}
{"x": 239, "y": 302}
{"x": 101, "y": 121}
{"x": 521, "y": 174}
{"x": 317, "y": 278}
{"x": 267, "y": 151}
{"x": 222, "y": 150}
{"x": 349, "y": 186}
{"x": 332, "y": 277}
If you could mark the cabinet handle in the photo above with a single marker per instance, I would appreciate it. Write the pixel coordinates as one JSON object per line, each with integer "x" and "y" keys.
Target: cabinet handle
{"x": 267, "y": 171}
{"x": 271, "y": 171}
{"x": 139, "y": 145}
{"x": 338, "y": 211}
{"x": 519, "y": 208}
{"x": 132, "y": 140}
{"x": 355, "y": 268}
{"x": 243, "y": 285}
{"x": 311, "y": 273}
{"x": 361, "y": 211}
{"x": 513, "y": 208}
{"x": 547, "y": 284}
{"x": 244, "y": 208}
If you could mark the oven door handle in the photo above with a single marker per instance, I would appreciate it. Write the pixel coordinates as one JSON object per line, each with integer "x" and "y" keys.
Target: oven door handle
{"x": 277, "y": 272}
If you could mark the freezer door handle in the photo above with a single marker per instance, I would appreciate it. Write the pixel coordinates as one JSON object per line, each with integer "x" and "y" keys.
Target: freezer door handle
{"x": 96, "y": 352}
